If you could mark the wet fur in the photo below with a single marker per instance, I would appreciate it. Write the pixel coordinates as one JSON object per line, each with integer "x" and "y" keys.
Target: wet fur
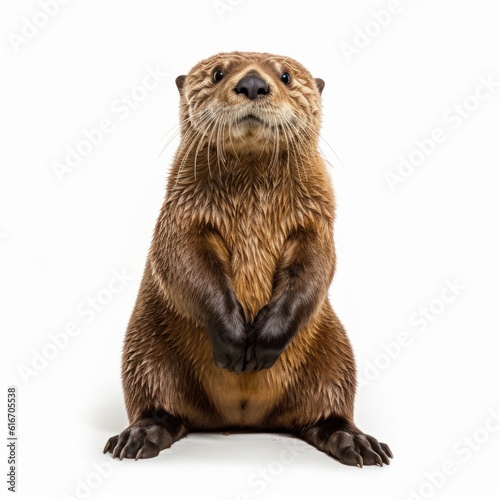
{"x": 233, "y": 327}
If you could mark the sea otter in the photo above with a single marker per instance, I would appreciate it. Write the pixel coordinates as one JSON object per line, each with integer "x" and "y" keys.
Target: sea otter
{"x": 233, "y": 327}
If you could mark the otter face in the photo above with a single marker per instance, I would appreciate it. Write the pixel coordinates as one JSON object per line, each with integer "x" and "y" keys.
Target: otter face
{"x": 239, "y": 99}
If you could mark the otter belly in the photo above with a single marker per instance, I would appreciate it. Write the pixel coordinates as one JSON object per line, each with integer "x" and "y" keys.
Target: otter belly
{"x": 241, "y": 400}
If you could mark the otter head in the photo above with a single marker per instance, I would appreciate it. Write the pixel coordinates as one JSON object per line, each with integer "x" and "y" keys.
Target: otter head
{"x": 244, "y": 101}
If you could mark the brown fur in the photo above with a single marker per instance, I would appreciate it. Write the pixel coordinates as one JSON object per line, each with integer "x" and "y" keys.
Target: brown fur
{"x": 249, "y": 206}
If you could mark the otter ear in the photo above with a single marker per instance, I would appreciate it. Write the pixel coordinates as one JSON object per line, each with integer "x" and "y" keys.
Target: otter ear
{"x": 179, "y": 81}
{"x": 320, "y": 84}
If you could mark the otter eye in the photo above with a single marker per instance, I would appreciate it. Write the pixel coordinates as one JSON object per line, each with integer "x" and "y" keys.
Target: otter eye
{"x": 285, "y": 78}
{"x": 218, "y": 75}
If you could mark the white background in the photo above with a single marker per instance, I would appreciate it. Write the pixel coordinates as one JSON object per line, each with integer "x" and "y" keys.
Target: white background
{"x": 61, "y": 239}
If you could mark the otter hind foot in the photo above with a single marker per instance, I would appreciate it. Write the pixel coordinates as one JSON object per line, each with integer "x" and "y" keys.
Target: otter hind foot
{"x": 346, "y": 443}
{"x": 147, "y": 436}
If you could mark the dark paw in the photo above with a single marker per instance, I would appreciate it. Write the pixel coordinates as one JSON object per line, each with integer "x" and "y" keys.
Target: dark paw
{"x": 140, "y": 440}
{"x": 229, "y": 354}
{"x": 233, "y": 362}
{"x": 229, "y": 338}
{"x": 356, "y": 448}
{"x": 260, "y": 357}
{"x": 269, "y": 335}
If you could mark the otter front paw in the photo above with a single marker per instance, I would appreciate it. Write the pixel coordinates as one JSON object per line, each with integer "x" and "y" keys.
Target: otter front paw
{"x": 270, "y": 333}
{"x": 260, "y": 356}
{"x": 228, "y": 333}
{"x": 229, "y": 354}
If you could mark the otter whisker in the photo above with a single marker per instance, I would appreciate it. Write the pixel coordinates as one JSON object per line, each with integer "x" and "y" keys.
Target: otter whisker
{"x": 323, "y": 139}
{"x": 177, "y": 130}
{"x": 198, "y": 136}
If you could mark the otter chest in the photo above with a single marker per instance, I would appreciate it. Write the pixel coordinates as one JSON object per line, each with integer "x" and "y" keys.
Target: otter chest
{"x": 259, "y": 218}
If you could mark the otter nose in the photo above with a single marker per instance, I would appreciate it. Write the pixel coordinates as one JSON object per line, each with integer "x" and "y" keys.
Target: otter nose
{"x": 252, "y": 86}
